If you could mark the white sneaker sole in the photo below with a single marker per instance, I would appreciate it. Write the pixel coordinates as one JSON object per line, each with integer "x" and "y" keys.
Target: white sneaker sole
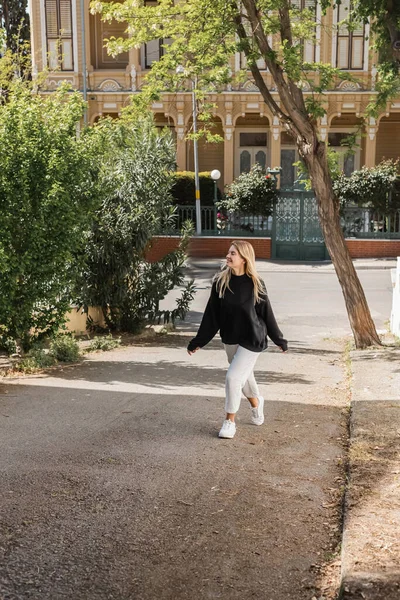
{"x": 226, "y": 437}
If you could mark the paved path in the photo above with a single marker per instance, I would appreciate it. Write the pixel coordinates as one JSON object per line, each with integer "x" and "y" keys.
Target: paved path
{"x": 116, "y": 486}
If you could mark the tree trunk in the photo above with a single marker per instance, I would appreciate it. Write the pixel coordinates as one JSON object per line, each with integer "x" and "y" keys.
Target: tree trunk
{"x": 361, "y": 322}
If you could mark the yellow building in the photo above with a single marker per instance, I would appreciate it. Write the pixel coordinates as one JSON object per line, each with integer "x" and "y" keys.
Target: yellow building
{"x": 249, "y": 130}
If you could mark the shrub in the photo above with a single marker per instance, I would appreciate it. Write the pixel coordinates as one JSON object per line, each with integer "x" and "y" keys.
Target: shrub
{"x": 107, "y": 342}
{"x": 36, "y": 359}
{"x": 252, "y": 193}
{"x": 135, "y": 205}
{"x": 183, "y": 188}
{"x": 46, "y": 191}
{"x": 65, "y": 348}
{"x": 370, "y": 187}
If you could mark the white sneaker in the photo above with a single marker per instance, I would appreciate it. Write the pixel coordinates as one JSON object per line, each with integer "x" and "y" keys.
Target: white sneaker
{"x": 257, "y": 414}
{"x": 228, "y": 429}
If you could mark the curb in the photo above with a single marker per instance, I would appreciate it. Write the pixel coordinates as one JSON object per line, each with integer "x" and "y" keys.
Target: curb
{"x": 371, "y": 528}
{"x": 291, "y": 267}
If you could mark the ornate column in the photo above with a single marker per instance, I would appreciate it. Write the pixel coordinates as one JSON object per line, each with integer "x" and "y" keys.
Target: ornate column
{"x": 180, "y": 136}
{"x": 275, "y": 143}
{"x": 370, "y": 146}
{"x": 229, "y": 150}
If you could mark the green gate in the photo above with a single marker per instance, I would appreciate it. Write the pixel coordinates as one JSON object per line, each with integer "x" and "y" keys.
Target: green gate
{"x": 296, "y": 232}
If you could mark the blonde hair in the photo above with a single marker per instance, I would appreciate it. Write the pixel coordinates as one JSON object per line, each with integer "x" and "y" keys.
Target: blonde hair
{"x": 223, "y": 278}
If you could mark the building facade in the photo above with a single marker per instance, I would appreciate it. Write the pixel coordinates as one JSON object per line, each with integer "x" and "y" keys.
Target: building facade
{"x": 72, "y": 47}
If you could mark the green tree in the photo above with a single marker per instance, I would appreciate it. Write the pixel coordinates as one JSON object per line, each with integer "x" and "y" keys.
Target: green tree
{"x": 14, "y": 19}
{"x": 47, "y": 188}
{"x": 136, "y": 179}
{"x": 205, "y": 33}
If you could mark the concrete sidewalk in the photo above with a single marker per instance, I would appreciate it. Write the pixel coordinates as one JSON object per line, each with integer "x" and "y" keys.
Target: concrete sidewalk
{"x": 371, "y": 539}
{"x": 284, "y": 266}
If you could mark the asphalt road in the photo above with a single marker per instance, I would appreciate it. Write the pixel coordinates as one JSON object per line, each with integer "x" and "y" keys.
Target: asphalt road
{"x": 114, "y": 484}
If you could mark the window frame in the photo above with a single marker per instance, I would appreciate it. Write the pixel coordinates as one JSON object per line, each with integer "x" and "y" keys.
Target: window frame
{"x": 161, "y": 51}
{"x": 60, "y": 36}
{"x": 350, "y": 36}
{"x": 341, "y": 150}
{"x": 239, "y": 148}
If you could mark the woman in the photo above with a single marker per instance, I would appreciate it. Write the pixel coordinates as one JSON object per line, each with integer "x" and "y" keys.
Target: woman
{"x": 240, "y": 309}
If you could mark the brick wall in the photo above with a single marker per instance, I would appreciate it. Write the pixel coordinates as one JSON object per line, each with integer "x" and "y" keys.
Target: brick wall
{"x": 160, "y": 246}
{"x": 217, "y": 247}
{"x": 205, "y": 247}
{"x": 373, "y": 248}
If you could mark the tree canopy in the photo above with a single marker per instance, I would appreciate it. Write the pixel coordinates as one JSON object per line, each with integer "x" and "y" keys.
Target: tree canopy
{"x": 14, "y": 20}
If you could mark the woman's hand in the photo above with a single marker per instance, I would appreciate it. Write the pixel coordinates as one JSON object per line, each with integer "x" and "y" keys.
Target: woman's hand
{"x": 190, "y": 352}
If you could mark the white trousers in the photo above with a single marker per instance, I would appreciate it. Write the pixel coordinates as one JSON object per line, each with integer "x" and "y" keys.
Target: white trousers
{"x": 240, "y": 376}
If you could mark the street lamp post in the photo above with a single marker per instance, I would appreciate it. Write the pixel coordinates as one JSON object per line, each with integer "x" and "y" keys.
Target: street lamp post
{"x": 196, "y": 161}
{"x": 215, "y": 175}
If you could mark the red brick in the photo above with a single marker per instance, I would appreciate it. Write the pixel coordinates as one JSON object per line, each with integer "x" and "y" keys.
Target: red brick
{"x": 373, "y": 248}
{"x": 205, "y": 247}
{"x": 216, "y": 247}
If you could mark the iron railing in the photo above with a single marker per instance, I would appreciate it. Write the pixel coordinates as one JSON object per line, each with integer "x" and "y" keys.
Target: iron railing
{"x": 369, "y": 223}
{"x": 356, "y": 223}
{"x": 214, "y": 222}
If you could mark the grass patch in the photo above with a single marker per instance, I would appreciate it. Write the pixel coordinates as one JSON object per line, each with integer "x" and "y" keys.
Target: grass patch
{"x": 360, "y": 451}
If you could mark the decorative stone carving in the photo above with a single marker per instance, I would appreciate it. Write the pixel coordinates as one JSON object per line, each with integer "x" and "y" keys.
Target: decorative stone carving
{"x": 372, "y": 129}
{"x": 133, "y": 78}
{"x": 349, "y": 86}
{"x": 324, "y": 128}
{"x": 374, "y": 72}
{"x": 250, "y": 86}
{"x": 228, "y": 134}
{"x": 109, "y": 85}
{"x": 276, "y": 128}
{"x": 181, "y": 133}
{"x": 55, "y": 83}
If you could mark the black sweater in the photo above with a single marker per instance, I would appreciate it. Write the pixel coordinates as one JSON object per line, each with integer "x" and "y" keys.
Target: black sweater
{"x": 238, "y": 319}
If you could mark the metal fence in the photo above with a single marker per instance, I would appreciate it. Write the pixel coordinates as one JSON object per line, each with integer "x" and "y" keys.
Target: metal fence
{"x": 369, "y": 223}
{"x": 215, "y": 223}
{"x": 356, "y": 223}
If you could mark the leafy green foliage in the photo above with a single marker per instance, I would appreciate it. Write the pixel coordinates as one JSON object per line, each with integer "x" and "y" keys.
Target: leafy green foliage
{"x": 183, "y": 188}
{"x": 104, "y": 343}
{"x": 370, "y": 187}
{"x": 252, "y": 193}
{"x": 14, "y": 20}
{"x": 35, "y": 360}
{"x": 47, "y": 188}
{"x": 135, "y": 205}
{"x": 65, "y": 348}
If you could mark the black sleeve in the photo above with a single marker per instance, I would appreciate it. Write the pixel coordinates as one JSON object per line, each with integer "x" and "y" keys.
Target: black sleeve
{"x": 264, "y": 309}
{"x": 210, "y": 322}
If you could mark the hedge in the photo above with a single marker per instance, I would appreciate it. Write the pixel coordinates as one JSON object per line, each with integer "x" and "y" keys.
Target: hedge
{"x": 183, "y": 190}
